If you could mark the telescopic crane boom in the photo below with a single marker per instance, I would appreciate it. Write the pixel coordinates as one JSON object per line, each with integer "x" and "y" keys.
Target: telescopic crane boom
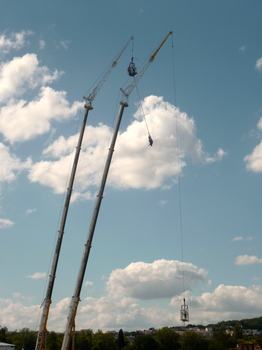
{"x": 70, "y": 327}
{"x": 40, "y": 342}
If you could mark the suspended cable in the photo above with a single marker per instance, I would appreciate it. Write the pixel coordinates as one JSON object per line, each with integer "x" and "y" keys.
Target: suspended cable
{"x": 150, "y": 140}
{"x": 184, "y": 313}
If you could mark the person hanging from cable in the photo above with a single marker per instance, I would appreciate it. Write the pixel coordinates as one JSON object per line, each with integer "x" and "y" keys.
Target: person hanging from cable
{"x": 150, "y": 140}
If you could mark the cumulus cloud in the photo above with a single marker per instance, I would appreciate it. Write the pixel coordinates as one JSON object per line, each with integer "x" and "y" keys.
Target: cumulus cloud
{"x": 13, "y": 41}
{"x": 259, "y": 64}
{"x": 21, "y": 74}
{"x": 160, "y": 279}
{"x": 24, "y": 116}
{"x": 134, "y": 165}
{"x": 5, "y": 223}
{"x": 130, "y": 308}
{"x": 254, "y": 159}
{"x": 15, "y": 315}
{"x": 224, "y": 303}
{"x": 37, "y": 275}
{"x": 21, "y": 121}
{"x": 11, "y": 166}
{"x": 247, "y": 260}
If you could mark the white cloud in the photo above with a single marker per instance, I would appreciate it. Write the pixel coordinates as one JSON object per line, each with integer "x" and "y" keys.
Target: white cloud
{"x": 65, "y": 44}
{"x": 259, "y": 64}
{"x": 242, "y": 48}
{"x": 11, "y": 166}
{"x": 238, "y": 238}
{"x": 130, "y": 309}
{"x": 254, "y": 160}
{"x": 21, "y": 74}
{"x": 30, "y": 211}
{"x": 37, "y": 275}
{"x": 134, "y": 165}
{"x": 88, "y": 283}
{"x": 13, "y": 41}
{"x": 41, "y": 44}
{"x": 5, "y": 223}
{"x": 247, "y": 260}
{"x": 218, "y": 156}
{"x": 259, "y": 124}
{"x": 241, "y": 238}
{"x": 15, "y": 315}
{"x": 21, "y": 121}
{"x": 160, "y": 279}
{"x": 224, "y": 303}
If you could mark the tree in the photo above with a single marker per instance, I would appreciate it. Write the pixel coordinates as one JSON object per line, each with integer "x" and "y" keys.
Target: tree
{"x": 3, "y": 331}
{"x": 168, "y": 339}
{"x": 84, "y": 339}
{"x": 193, "y": 341}
{"x": 221, "y": 340}
{"x": 145, "y": 342}
{"x": 120, "y": 339}
{"x": 104, "y": 341}
{"x": 238, "y": 331}
{"x": 52, "y": 341}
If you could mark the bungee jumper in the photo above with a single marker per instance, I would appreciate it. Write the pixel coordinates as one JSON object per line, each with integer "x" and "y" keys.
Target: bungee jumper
{"x": 150, "y": 140}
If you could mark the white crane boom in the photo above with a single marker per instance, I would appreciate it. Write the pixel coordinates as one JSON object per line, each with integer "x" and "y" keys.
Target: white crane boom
{"x": 70, "y": 326}
{"x": 41, "y": 336}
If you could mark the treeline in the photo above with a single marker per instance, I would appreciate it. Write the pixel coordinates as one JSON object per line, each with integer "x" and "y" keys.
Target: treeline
{"x": 251, "y": 323}
{"x": 163, "y": 339}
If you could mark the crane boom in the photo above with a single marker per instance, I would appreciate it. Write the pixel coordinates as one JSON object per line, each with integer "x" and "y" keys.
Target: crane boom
{"x": 70, "y": 326}
{"x": 126, "y": 92}
{"x": 40, "y": 342}
{"x": 93, "y": 94}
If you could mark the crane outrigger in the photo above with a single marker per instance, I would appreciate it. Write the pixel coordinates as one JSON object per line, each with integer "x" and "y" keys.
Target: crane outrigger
{"x": 41, "y": 336}
{"x": 70, "y": 326}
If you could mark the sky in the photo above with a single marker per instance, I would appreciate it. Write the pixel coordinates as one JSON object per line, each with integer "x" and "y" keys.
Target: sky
{"x": 180, "y": 219}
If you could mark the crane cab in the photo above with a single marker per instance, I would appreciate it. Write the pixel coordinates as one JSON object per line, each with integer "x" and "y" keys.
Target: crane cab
{"x": 132, "y": 69}
{"x": 184, "y": 314}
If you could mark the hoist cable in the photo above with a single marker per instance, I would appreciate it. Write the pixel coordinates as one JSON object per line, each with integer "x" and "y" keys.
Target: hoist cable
{"x": 143, "y": 113}
{"x": 178, "y": 170}
{"x": 179, "y": 186}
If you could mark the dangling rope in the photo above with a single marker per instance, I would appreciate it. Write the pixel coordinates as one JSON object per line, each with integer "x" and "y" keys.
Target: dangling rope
{"x": 150, "y": 140}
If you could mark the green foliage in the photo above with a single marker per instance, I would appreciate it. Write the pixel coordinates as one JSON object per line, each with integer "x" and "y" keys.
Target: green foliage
{"x": 252, "y": 323}
{"x": 3, "y": 331}
{"x": 168, "y": 339}
{"x": 104, "y": 341}
{"x": 238, "y": 331}
{"x": 145, "y": 342}
{"x": 222, "y": 340}
{"x": 193, "y": 341}
{"x": 120, "y": 339}
{"x": 51, "y": 341}
{"x": 84, "y": 339}
{"x": 25, "y": 339}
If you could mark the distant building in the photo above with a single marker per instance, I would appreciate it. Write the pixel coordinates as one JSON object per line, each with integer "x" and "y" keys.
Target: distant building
{"x": 250, "y": 346}
{"x": 6, "y": 346}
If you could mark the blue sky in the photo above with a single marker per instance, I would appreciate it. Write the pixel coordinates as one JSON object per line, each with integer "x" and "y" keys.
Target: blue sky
{"x": 206, "y": 122}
